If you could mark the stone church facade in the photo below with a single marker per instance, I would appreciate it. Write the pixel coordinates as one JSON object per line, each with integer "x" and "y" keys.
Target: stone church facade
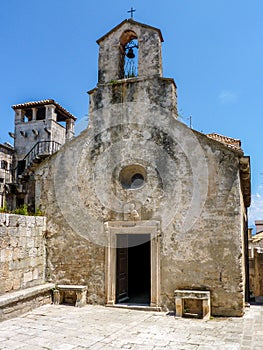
{"x": 139, "y": 205}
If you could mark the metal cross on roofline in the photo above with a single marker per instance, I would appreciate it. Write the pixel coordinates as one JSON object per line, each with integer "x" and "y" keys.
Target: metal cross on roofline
{"x": 132, "y": 10}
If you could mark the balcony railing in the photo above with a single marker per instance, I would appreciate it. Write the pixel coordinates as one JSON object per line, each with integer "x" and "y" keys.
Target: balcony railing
{"x": 41, "y": 150}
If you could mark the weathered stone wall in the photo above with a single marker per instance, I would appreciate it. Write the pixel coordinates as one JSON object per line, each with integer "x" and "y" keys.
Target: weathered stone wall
{"x": 58, "y": 132}
{"x": 71, "y": 259}
{"x": 192, "y": 187}
{"x": 151, "y": 91}
{"x": 209, "y": 255}
{"x": 22, "y": 247}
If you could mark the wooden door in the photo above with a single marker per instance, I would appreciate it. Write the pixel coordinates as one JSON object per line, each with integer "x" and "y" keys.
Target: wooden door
{"x": 122, "y": 268}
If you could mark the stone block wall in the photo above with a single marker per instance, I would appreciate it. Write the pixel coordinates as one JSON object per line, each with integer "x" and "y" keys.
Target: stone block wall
{"x": 22, "y": 252}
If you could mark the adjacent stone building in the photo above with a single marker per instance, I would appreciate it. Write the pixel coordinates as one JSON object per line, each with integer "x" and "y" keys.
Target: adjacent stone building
{"x": 256, "y": 260}
{"x": 41, "y": 128}
{"x": 139, "y": 205}
{"x": 6, "y": 160}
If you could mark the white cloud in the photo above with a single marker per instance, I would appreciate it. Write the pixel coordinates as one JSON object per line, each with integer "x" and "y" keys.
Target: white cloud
{"x": 227, "y": 96}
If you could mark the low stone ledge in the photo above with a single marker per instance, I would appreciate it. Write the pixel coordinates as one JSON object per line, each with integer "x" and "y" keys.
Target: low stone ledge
{"x": 13, "y": 304}
{"x": 22, "y": 294}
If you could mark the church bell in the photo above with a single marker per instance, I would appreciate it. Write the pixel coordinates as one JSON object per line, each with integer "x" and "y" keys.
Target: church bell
{"x": 130, "y": 53}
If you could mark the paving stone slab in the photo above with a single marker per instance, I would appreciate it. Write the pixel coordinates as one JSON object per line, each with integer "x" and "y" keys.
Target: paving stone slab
{"x": 97, "y": 327}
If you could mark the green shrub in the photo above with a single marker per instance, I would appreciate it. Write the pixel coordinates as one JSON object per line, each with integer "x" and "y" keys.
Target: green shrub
{"x": 23, "y": 210}
{"x": 4, "y": 209}
{"x": 38, "y": 212}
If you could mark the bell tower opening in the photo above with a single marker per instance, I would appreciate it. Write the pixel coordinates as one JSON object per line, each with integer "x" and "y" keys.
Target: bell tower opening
{"x": 129, "y": 50}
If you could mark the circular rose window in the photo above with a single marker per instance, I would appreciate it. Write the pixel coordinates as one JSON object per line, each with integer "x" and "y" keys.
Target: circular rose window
{"x": 132, "y": 177}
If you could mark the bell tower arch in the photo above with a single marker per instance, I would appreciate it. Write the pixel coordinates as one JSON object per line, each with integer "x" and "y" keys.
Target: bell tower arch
{"x": 128, "y": 54}
{"x": 116, "y": 45}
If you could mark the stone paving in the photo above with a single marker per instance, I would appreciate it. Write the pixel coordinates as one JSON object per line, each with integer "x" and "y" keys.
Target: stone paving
{"x": 65, "y": 327}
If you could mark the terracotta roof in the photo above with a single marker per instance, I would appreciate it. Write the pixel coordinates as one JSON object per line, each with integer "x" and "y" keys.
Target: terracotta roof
{"x": 228, "y": 141}
{"x": 7, "y": 146}
{"x": 258, "y": 237}
{"x": 132, "y": 22}
{"x": 43, "y": 103}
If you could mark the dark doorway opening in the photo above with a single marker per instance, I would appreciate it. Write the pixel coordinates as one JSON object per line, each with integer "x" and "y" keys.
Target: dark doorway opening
{"x": 134, "y": 269}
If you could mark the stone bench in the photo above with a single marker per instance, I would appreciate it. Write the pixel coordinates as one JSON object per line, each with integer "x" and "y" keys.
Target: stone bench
{"x": 181, "y": 298}
{"x": 13, "y": 304}
{"x": 59, "y": 293}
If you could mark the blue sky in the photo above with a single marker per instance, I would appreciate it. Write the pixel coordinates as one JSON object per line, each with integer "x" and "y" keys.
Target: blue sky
{"x": 213, "y": 50}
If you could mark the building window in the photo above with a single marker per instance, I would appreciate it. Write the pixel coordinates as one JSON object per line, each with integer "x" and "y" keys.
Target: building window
{"x": 28, "y": 115}
{"x": 41, "y": 113}
{"x": 21, "y": 167}
{"x": 132, "y": 177}
{"x": 4, "y": 165}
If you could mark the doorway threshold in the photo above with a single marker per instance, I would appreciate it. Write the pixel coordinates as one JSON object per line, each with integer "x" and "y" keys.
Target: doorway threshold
{"x": 139, "y": 307}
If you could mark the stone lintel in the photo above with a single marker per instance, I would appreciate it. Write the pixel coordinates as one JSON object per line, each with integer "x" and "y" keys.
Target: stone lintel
{"x": 72, "y": 287}
{"x": 192, "y": 294}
